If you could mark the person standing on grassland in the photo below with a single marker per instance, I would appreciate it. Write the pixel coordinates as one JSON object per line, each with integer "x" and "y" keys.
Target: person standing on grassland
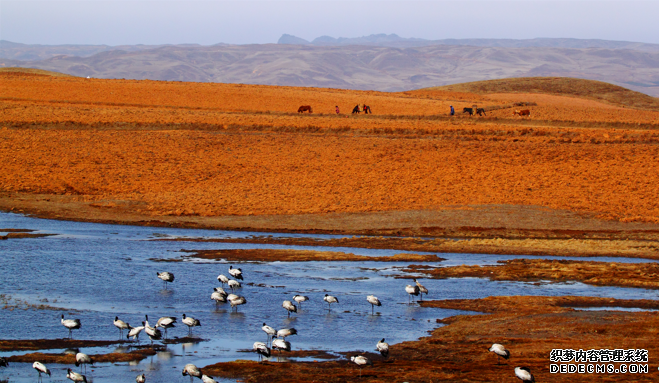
{"x": 452, "y": 111}
{"x": 337, "y": 109}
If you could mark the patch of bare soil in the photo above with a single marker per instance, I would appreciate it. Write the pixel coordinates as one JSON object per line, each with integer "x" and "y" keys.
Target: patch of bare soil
{"x": 530, "y": 327}
{"x": 269, "y": 255}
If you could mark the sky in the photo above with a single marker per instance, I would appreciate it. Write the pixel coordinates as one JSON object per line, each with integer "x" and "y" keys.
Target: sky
{"x": 129, "y": 22}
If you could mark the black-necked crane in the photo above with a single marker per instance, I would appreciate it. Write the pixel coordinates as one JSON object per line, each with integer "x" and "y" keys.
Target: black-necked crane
{"x": 166, "y": 322}
{"x": 191, "y": 370}
{"x": 422, "y": 288}
{"x": 166, "y": 276}
{"x": 236, "y": 273}
{"x": 219, "y": 296}
{"x": 135, "y": 332}
{"x": 223, "y": 279}
{"x": 271, "y": 332}
{"x": 71, "y": 324}
{"x": 283, "y": 333}
{"x": 74, "y": 376}
{"x": 500, "y": 351}
{"x": 237, "y": 301}
{"x": 41, "y": 369}
{"x": 140, "y": 379}
{"x": 300, "y": 298}
{"x": 290, "y": 307}
{"x": 233, "y": 284}
{"x": 361, "y": 361}
{"x": 121, "y": 325}
{"x": 3, "y": 362}
{"x": 261, "y": 349}
{"x": 411, "y": 290}
{"x": 374, "y": 301}
{"x": 207, "y": 379}
{"x": 330, "y": 299}
{"x": 280, "y": 344}
{"x": 190, "y": 322}
{"x": 383, "y": 348}
{"x": 152, "y": 332}
{"x": 524, "y": 374}
{"x": 83, "y": 359}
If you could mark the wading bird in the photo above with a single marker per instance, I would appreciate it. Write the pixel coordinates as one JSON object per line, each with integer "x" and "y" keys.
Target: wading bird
{"x": 218, "y": 296}
{"x": 290, "y": 307}
{"x": 140, "y": 379}
{"x": 135, "y": 332}
{"x": 300, "y": 298}
{"x": 280, "y": 344}
{"x": 361, "y": 361}
{"x": 500, "y": 351}
{"x": 422, "y": 289}
{"x": 223, "y": 279}
{"x": 374, "y": 301}
{"x": 121, "y": 325}
{"x": 71, "y": 324}
{"x": 330, "y": 299}
{"x": 191, "y": 370}
{"x": 237, "y": 301}
{"x": 152, "y": 332}
{"x": 411, "y": 290}
{"x": 383, "y": 348}
{"x": 190, "y": 322}
{"x": 166, "y": 322}
{"x": 83, "y": 359}
{"x": 524, "y": 374}
{"x": 271, "y": 332}
{"x": 236, "y": 273}
{"x": 74, "y": 376}
{"x": 283, "y": 333}
{"x": 233, "y": 284}
{"x": 41, "y": 368}
{"x": 166, "y": 276}
{"x": 261, "y": 349}
{"x": 207, "y": 379}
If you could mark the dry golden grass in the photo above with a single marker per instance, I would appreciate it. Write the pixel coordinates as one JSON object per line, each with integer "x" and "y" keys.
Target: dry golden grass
{"x": 268, "y": 255}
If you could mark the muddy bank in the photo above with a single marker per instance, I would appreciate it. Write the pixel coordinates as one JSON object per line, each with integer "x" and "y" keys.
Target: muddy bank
{"x": 267, "y": 255}
{"x": 20, "y": 233}
{"x": 113, "y": 357}
{"x": 44, "y": 344}
{"x": 530, "y": 327}
{"x": 646, "y": 248}
{"x": 639, "y": 275}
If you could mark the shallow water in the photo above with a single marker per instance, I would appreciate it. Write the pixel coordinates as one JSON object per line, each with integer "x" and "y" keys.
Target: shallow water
{"x": 100, "y": 271}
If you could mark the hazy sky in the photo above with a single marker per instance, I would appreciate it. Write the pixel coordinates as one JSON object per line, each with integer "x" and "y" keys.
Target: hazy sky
{"x": 120, "y": 22}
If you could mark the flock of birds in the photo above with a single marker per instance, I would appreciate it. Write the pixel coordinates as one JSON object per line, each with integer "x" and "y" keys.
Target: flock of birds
{"x": 276, "y": 339}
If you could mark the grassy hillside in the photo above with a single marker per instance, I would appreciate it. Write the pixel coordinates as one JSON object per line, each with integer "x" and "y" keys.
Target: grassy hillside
{"x": 33, "y": 71}
{"x": 562, "y": 86}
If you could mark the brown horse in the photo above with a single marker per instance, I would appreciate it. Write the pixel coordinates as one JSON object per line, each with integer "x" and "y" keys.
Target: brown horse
{"x": 304, "y": 108}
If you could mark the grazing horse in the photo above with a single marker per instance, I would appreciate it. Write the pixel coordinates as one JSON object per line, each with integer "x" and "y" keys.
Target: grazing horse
{"x": 304, "y": 108}
{"x": 524, "y": 112}
{"x": 355, "y": 109}
{"x": 367, "y": 109}
{"x": 468, "y": 110}
{"x": 481, "y": 112}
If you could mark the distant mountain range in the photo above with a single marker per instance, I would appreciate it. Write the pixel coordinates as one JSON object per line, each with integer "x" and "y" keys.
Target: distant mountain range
{"x": 394, "y": 40}
{"x": 376, "y": 62}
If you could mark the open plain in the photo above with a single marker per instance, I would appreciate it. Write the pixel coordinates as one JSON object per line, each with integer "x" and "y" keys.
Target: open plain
{"x": 575, "y": 178}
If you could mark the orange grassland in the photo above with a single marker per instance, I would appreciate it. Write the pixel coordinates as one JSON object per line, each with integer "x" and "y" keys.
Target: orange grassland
{"x": 163, "y": 149}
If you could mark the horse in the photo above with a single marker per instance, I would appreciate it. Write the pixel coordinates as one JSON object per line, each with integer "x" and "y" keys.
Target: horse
{"x": 468, "y": 110}
{"x": 304, "y": 108}
{"x": 524, "y": 112}
{"x": 367, "y": 109}
{"x": 481, "y": 112}
{"x": 355, "y": 109}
